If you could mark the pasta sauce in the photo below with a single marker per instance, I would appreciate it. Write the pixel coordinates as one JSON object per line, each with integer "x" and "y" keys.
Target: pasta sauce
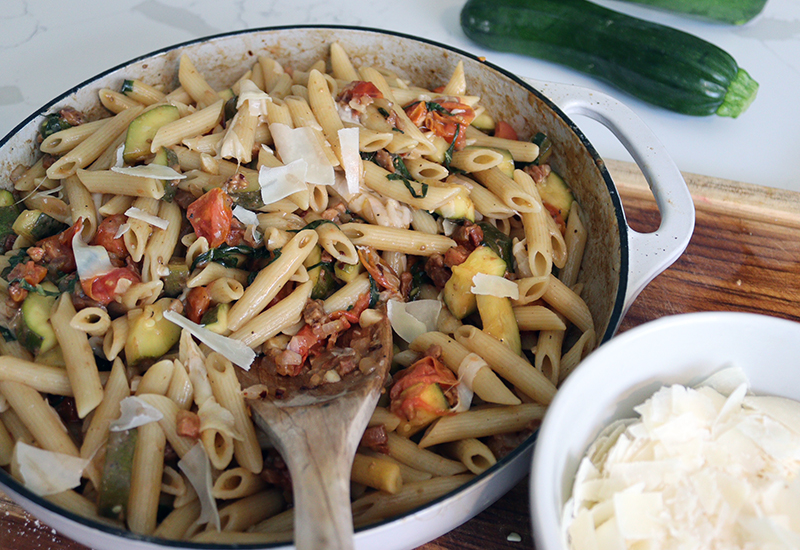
{"x": 271, "y": 226}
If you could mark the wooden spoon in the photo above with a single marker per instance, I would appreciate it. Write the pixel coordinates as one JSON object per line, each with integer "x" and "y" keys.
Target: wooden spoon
{"x": 317, "y": 431}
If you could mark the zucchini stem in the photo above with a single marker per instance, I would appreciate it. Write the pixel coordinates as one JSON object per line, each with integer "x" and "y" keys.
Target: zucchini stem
{"x": 740, "y": 95}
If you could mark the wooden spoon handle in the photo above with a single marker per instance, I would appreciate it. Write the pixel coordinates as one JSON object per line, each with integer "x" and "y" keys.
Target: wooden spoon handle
{"x": 323, "y": 519}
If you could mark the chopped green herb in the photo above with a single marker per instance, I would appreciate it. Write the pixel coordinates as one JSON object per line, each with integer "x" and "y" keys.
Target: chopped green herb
{"x": 127, "y": 86}
{"x": 53, "y": 123}
{"x": 374, "y": 293}
{"x": 7, "y": 335}
{"x": 317, "y": 223}
{"x": 227, "y": 255}
{"x": 421, "y": 195}
{"x": 419, "y": 277}
{"x": 384, "y": 113}
{"x": 433, "y": 106}
{"x": 25, "y": 285}
{"x": 18, "y": 257}
{"x": 448, "y": 155}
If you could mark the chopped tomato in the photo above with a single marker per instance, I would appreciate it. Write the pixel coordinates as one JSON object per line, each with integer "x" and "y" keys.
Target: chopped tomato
{"x": 301, "y": 343}
{"x": 198, "y": 301}
{"x": 106, "y": 236}
{"x": 558, "y": 217}
{"x": 503, "y": 129}
{"x": 411, "y": 391}
{"x": 352, "y": 315}
{"x": 236, "y": 235}
{"x": 380, "y": 271}
{"x": 211, "y": 216}
{"x": 32, "y": 273}
{"x": 57, "y": 249}
{"x": 417, "y": 112}
{"x": 358, "y": 89}
{"x": 449, "y": 120}
{"x": 438, "y": 89}
{"x": 104, "y": 288}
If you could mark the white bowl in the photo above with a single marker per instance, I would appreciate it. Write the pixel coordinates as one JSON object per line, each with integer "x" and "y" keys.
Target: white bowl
{"x": 680, "y": 349}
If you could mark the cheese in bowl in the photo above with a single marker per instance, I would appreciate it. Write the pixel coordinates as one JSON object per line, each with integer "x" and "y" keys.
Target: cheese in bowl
{"x": 701, "y": 467}
{"x": 262, "y": 224}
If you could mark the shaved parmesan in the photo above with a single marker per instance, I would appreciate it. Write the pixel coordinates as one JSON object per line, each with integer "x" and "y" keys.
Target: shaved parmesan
{"x": 467, "y": 370}
{"x": 124, "y": 228}
{"x": 258, "y": 99}
{"x": 197, "y": 467}
{"x": 146, "y": 217}
{"x": 493, "y": 285}
{"x": 47, "y": 472}
{"x": 247, "y": 217}
{"x": 214, "y": 416}
{"x": 281, "y": 181}
{"x": 412, "y": 319}
{"x": 235, "y": 351}
{"x": 302, "y": 144}
{"x": 119, "y": 156}
{"x": 155, "y": 171}
{"x": 134, "y": 413}
{"x": 697, "y": 469}
{"x": 351, "y": 158}
{"x": 91, "y": 261}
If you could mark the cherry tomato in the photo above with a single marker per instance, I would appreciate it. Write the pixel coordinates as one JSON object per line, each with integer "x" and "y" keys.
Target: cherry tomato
{"x": 211, "y": 216}
{"x": 104, "y": 288}
{"x": 106, "y": 236}
{"x": 198, "y": 301}
{"x": 503, "y": 129}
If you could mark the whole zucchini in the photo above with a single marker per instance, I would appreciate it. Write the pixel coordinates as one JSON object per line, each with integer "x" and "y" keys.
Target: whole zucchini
{"x": 658, "y": 64}
{"x": 735, "y": 12}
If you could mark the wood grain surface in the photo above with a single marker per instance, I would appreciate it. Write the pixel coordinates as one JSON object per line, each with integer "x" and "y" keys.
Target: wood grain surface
{"x": 744, "y": 256}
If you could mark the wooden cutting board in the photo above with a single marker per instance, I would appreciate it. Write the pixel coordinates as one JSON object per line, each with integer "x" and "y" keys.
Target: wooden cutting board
{"x": 744, "y": 256}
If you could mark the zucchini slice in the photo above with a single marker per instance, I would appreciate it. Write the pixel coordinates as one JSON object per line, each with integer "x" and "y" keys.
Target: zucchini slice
{"x": 34, "y": 330}
{"x": 36, "y": 225}
{"x": 143, "y": 128}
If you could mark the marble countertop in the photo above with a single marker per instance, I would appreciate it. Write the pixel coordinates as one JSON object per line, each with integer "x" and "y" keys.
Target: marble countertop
{"x": 48, "y": 46}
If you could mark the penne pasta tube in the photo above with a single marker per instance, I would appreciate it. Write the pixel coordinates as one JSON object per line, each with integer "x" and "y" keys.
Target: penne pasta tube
{"x": 577, "y": 353}
{"x": 178, "y": 522}
{"x": 522, "y": 151}
{"x": 575, "y": 242}
{"x": 228, "y": 392}
{"x": 476, "y": 159}
{"x": 507, "y": 190}
{"x": 483, "y": 422}
{"x": 473, "y": 453}
{"x": 78, "y": 356}
{"x": 507, "y": 364}
{"x": 395, "y": 239}
{"x": 271, "y": 279}
{"x": 336, "y": 243}
{"x": 565, "y": 301}
{"x": 106, "y": 181}
{"x": 197, "y": 123}
{"x": 236, "y": 483}
{"x": 376, "y": 473}
{"x": 94, "y": 321}
{"x": 242, "y": 514}
{"x": 485, "y": 382}
{"x": 409, "y": 453}
{"x": 274, "y": 320}
{"x": 538, "y": 318}
{"x": 91, "y": 148}
{"x": 146, "y": 473}
{"x": 43, "y": 378}
{"x": 65, "y": 140}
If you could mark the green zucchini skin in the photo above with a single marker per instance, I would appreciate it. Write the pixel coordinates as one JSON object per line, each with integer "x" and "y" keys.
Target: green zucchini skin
{"x": 658, "y": 64}
{"x": 734, "y": 12}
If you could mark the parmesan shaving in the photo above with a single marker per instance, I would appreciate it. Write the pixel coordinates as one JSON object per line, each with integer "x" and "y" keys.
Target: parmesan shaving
{"x": 91, "y": 261}
{"x": 146, "y": 217}
{"x": 302, "y": 144}
{"x": 133, "y": 413}
{"x": 124, "y": 228}
{"x": 412, "y": 319}
{"x": 467, "y": 370}
{"x": 234, "y": 350}
{"x": 351, "y": 158}
{"x": 214, "y": 416}
{"x": 257, "y": 98}
{"x": 197, "y": 467}
{"x": 281, "y": 181}
{"x": 247, "y": 217}
{"x": 47, "y": 472}
{"x": 493, "y": 285}
{"x": 697, "y": 469}
{"x": 155, "y": 171}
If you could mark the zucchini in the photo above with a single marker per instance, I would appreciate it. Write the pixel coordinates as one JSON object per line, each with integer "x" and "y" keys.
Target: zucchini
{"x": 347, "y": 272}
{"x": 115, "y": 485}
{"x": 34, "y": 330}
{"x": 150, "y": 335}
{"x": 456, "y": 294}
{"x": 460, "y": 207}
{"x": 143, "y": 128}
{"x": 735, "y": 12}
{"x": 216, "y": 318}
{"x": 36, "y": 225}
{"x": 497, "y": 318}
{"x": 167, "y": 157}
{"x": 555, "y": 192}
{"x": 657, "y": 64}
{"x": 433, "y": 404}
{"x": 175, "y": 281}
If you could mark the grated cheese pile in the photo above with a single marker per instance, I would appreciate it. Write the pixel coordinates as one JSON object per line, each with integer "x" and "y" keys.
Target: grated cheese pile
{"x": 697, "y": 470}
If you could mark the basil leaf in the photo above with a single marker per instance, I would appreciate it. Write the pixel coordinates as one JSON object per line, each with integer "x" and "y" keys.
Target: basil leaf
{"x": 7, "y": 335}
{"x": 421, "y": 195}
{"x": 226, "y": 255}
{"x": 384, "y": 113}
{"x": 374, "y": 293}
{"x": 433, "y": 106}
{"x": 25, "y": 285}
{"x": 448, "y": 155}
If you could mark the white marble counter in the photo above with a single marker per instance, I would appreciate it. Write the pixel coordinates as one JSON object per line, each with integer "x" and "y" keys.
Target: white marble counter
{"x": 48, "y": 46}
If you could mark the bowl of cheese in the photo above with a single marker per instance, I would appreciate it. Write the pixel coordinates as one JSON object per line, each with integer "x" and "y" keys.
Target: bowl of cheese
{"x": 681, "y": 433}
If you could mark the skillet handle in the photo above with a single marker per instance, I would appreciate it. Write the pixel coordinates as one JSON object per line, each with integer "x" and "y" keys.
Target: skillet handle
{"x": 649, "y": 253}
